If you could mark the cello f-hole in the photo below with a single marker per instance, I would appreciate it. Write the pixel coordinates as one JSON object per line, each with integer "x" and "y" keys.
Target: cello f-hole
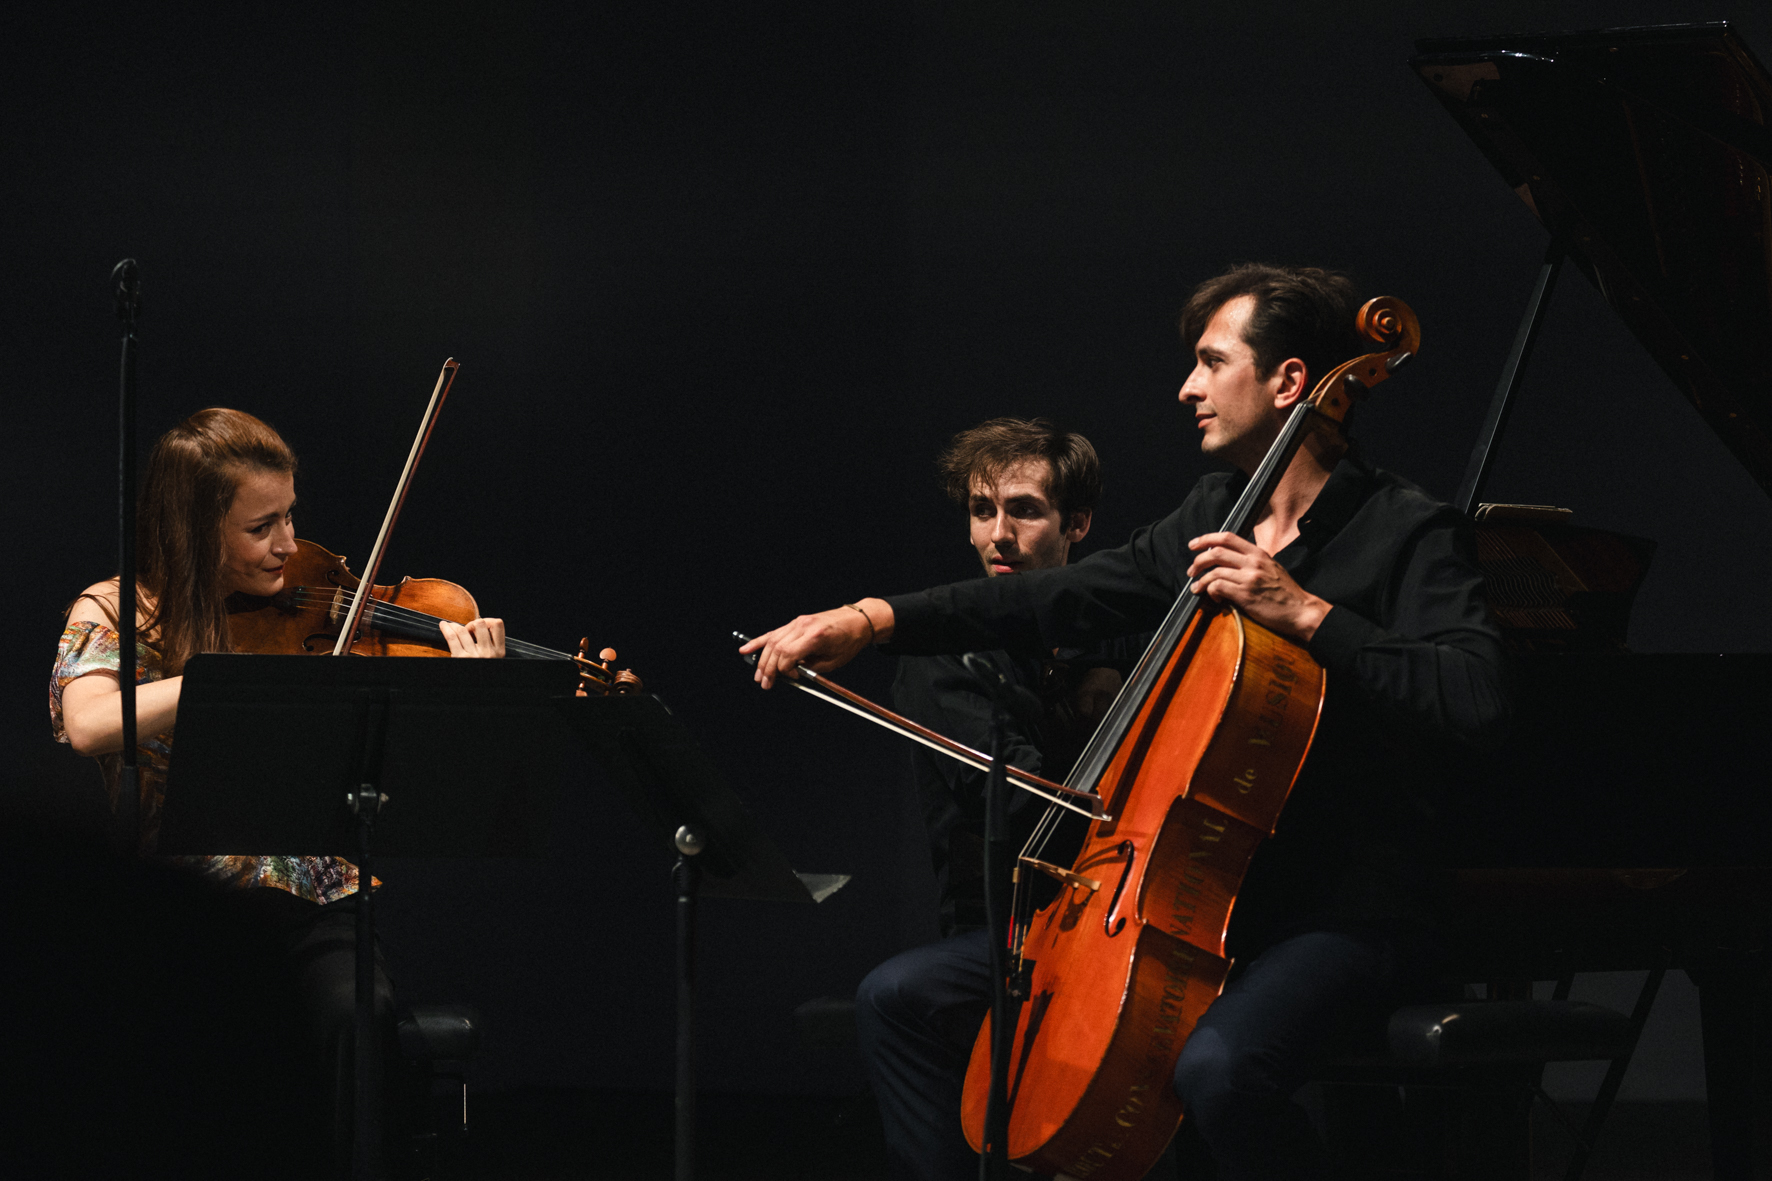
{"x": 1108, "y": 924}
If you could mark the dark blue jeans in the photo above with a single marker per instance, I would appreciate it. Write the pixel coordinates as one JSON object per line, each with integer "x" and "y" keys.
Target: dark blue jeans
{"x": 918, "y": 1013}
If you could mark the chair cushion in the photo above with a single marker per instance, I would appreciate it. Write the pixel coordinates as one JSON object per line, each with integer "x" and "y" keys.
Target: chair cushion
{"x": 827, "y": 1022}
{"x": 434, "y": 1032}
{"x": 1475, "y": 1032}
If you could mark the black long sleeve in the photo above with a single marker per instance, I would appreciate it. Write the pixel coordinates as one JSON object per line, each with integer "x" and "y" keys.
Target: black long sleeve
{"x": 1416, "y": 676}
{"x": 1409, "y": 631}
{"x": 940, "y": 692}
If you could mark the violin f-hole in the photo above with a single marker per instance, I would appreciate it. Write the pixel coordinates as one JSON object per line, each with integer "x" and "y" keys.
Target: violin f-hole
{"x": 1107, "y": 922}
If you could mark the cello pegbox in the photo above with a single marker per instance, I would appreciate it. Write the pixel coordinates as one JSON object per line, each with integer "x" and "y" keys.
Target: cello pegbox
{"x": 1386, "y": 321}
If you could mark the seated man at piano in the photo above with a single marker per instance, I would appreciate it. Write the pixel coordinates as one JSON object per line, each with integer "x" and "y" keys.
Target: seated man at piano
{"x": 1029, "y": 489}
{"x": 1379, "y": 582}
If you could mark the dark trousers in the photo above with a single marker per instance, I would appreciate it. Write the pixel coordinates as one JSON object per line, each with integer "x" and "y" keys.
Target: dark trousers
{"x": 918, "y": 1013}
{"x": 916, "y": 1017}
{"x": 317, "y": 947}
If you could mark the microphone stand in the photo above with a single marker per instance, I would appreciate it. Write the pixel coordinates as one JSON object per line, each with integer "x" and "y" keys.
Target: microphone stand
{"x": 126, "y": 279}
{"x": 993, "y": 1162}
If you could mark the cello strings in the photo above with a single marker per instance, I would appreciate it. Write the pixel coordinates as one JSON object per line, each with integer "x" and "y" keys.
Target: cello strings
{"x": 394, "y": 612}
{"x": 1098, "y": 752}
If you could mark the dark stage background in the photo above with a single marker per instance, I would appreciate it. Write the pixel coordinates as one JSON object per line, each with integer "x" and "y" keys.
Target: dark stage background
{"x": 722, "y": 283}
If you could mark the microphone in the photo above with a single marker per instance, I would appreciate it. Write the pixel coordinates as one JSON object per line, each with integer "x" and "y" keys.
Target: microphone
{"x": 1012, "y": 697}
{"x": 126, "y": 276}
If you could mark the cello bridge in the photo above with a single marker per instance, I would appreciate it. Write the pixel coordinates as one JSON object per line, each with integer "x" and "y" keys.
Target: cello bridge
{"x": 1062, "y": 874}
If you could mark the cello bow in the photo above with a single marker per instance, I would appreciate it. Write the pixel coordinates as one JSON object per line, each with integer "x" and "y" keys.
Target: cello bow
{"x": 1084, "y": 803}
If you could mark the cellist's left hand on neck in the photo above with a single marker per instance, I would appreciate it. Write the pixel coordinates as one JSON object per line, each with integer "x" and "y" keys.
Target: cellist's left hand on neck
{"x": 477, "y": 637}
{"x": 1236, "y": 572}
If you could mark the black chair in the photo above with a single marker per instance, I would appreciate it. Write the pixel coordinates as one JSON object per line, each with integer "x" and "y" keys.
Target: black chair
{"x": 826, "y": 1022}
{"x": 1453, "y": 1095}
{"x": 438, "y": 1042}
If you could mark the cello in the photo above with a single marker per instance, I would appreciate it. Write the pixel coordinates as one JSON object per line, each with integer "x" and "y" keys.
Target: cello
{"x": 1192, "y": 766}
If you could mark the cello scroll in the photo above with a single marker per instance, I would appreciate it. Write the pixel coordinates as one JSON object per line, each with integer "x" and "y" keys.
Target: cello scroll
{"x": 1385, "y": 320}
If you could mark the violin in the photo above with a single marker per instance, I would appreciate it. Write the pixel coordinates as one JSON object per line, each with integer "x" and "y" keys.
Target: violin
{"x": 307, "y": 616}
{"x": 322, "y": 609}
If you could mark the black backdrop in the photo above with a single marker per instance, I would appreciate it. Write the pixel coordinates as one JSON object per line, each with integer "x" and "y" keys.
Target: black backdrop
{"x": 722, "y": 283}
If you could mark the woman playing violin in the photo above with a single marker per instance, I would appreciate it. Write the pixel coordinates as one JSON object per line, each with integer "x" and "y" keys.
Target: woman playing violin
{"x": 216, "y": 519}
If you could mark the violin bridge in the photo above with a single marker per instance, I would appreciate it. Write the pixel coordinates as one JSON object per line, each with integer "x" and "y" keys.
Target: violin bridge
{"x": 1062, "y": 874}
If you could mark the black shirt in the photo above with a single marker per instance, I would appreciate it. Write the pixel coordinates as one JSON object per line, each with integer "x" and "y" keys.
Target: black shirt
{"x": 941, "y": 693}
{"x": 1415, "y": 672}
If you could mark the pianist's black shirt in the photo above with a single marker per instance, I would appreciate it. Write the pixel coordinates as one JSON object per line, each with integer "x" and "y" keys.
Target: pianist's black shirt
{"x": 941, "y": 693}
{"x": 1416, "y": 679}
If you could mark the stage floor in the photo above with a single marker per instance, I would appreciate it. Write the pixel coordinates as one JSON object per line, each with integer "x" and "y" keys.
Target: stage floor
{"x": 556, "y": 1135}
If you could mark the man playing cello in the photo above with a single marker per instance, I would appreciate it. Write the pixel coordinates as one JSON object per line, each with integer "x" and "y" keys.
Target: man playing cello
{"x": 1380, "y": 583}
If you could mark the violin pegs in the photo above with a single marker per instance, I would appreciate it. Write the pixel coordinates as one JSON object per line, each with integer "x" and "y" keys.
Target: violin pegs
{"x": 610, "y": 681}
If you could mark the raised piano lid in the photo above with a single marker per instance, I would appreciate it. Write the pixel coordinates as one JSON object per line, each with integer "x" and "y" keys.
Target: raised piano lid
{"x": 1647, "y": 150}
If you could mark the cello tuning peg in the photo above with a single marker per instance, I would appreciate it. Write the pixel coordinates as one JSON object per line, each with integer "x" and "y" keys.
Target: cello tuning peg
{"x": 1398, "y": 361}
{"x": 606, "y": 655}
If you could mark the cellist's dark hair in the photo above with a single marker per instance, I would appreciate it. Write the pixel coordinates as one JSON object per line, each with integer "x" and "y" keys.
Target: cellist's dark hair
{"x": 193, "y": 473}
{"x": 1303, "y": 312}
{"x": 989, "y": 449}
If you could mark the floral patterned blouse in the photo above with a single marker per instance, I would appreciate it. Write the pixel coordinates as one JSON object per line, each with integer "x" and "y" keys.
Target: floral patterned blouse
{"x": 88, "y": 647}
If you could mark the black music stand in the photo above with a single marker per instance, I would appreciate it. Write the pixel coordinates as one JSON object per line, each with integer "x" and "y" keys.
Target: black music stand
{"x": 284, "y": 755}
{"x": 678, "y": 793}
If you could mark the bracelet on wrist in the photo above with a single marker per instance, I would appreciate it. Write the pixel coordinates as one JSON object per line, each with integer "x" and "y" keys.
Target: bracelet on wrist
{"x": 871, "y": 632}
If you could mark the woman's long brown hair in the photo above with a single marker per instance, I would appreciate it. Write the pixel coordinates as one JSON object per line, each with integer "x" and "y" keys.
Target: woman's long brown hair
{"x": 192, "y": 476}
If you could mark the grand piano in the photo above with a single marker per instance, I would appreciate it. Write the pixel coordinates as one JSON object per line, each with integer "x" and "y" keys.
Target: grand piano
{"x": 1628, "y": 822}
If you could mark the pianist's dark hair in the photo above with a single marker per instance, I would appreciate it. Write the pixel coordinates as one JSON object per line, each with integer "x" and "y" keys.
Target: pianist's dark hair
{"x": 989, "y": 449}
{"x": 1302, "y": 312}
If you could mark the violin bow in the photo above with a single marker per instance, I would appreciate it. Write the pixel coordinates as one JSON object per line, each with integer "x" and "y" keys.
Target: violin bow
{"x": 347, "y": 635}
{"x": 827, "y": 690}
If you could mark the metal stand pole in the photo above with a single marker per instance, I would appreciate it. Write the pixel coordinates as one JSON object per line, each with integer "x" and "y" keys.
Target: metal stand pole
{"x": 366, "y": 803}
{"x": 1483, "y": 455}
{"x": 686, "y": 876}
{"x": 126, "y": 279}
{"x": 993, "y": 1162}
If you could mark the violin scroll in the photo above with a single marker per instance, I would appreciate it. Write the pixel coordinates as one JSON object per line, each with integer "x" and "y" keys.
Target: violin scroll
{"x": 1386, "y": 321}
{"x": 600, "y": 676}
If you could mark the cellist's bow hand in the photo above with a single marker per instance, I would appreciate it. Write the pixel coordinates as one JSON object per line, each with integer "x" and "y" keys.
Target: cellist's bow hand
{"x": 477, "y": 637}
{"x": 821, "y": 642}
{"x": 1235, "y": 571}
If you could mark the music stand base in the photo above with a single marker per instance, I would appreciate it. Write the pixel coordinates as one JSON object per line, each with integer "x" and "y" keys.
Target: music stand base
{"x": 686, "y": 877}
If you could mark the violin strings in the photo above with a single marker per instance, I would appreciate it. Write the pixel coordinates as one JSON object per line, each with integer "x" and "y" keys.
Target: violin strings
{"x": 380, "y": 609}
